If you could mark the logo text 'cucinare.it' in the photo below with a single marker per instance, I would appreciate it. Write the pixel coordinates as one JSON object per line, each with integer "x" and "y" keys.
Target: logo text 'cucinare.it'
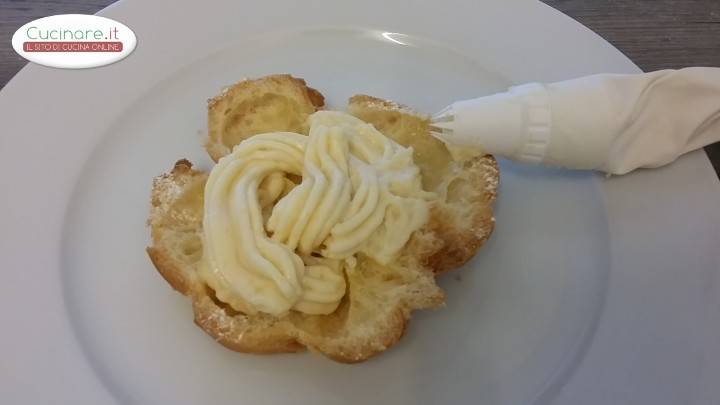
{"x": 74, "y": 41}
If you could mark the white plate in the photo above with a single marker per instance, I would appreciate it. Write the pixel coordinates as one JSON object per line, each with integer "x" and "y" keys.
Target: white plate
{"x": 590, "y": 290}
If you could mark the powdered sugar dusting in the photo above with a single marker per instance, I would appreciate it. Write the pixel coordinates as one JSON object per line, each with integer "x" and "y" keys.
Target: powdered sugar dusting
{"x": 378, "y": 104}
{"x": 223, "y": 92}
{"x": 491, "y": 176}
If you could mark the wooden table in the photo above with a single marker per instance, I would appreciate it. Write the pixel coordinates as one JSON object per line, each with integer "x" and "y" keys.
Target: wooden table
{"x": 655, "y": 34}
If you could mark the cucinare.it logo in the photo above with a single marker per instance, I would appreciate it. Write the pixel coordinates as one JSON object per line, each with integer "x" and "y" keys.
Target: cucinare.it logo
{"x": 74, "y": 41}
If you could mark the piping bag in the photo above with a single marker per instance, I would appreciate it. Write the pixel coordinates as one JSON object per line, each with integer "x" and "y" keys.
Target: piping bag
{"x": 608, "y": 122}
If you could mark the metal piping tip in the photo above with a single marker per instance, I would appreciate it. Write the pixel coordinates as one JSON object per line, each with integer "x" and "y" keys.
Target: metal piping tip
{"x": 441, "y": 124}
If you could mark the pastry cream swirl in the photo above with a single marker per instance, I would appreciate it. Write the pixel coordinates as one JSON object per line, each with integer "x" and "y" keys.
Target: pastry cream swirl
{"x": 271, "y": 245}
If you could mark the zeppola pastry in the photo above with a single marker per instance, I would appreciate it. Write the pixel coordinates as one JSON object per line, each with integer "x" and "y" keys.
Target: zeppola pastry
{"x": 316, "y": 229}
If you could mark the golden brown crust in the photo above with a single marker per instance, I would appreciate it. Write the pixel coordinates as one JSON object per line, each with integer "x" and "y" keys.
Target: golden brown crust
{"x": 316, "y": 98}
{"x": 232, "y": 330}
{"x": 167, "y": 190}
{"x": 385, "y": 106}
{"x": 374, "y": 314}
{"x": 358, "y": 351}
{"x": 257, "y": 88}
{"x": 463, "y": 221}
{"x": 167, "y": 270}
{"x": 462, "y": 240}
{"x": 250, "y": 107}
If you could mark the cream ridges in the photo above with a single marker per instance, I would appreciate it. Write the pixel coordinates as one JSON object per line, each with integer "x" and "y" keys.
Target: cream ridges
{"x": 271, "y": 245}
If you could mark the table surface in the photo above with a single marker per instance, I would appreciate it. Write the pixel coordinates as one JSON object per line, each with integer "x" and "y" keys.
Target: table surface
{"x": 655, "y": 34}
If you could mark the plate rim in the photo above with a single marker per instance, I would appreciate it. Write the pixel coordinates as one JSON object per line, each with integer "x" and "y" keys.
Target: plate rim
{"x": 57, "y": 176}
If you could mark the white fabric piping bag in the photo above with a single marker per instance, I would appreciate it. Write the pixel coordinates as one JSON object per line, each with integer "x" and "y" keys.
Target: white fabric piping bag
{"x": 609, "y": 122}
